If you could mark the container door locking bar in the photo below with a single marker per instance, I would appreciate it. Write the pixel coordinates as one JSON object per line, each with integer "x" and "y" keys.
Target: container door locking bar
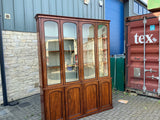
{"x": 144, "y": 58}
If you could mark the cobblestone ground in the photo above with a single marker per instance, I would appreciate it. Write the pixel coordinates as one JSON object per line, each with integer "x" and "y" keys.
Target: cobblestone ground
{"x": 137, "y": 108}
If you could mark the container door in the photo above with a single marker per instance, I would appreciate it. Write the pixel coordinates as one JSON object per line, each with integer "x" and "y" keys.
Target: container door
{"x": 138, "y": 54}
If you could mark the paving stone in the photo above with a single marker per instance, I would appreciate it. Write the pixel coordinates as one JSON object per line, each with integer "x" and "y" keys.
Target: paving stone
{"x": 137, "y": 108}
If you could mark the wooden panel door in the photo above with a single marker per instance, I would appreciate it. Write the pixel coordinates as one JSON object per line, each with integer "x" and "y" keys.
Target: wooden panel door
{"x": 105, "y": 91}
{"x": 74, "y": 104}
{"x": 105, "y": 94}
{"x": 55, "y": 104}
{"x": 89, "y": 67}
{"x": 90, "y": 92}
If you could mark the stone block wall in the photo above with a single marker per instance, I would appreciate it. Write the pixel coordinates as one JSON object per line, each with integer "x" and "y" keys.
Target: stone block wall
{"x": 21, "y": 64}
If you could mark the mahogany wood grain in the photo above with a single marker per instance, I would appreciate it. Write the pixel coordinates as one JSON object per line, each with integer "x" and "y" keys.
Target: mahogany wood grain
{"x": 73, "y": 100}
{"x": 73, "y": 95}
{"x": 55, "y": 107}
{"x": 91, "y": 100}
{"x": 104, "y": 94}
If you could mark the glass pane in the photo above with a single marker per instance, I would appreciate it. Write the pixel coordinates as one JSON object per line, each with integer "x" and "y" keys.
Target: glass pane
{"x": 140, "y": 10}
{"x": 135, "y": 7}
{"x": 88, "y": 51}
{"x": 102, "y": 47}
{"x": 70, "y": 52}
{"x": 52, "y": 52}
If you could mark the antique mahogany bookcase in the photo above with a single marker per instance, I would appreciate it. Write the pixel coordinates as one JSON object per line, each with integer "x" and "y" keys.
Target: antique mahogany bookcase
{"x": 74, "y": 65}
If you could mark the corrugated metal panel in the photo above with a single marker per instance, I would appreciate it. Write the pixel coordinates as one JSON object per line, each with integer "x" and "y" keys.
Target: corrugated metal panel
{"x": 96, "y": 9}
{"x": 92, "y": 9}
{"x": 75, "y": 6}
{"x": 0, "y": 8}
{"x": 28, "y": 13}
{"x": 85, "y": 11}
{"x": 19, "y": 14}
{"x": 52, "y": 6}
{"x": 7, "y": 6}
{"x": 89, "y": 10}
{"x": 23, "y": 11}
{"x": 136, "y": 52}
{"x": 116, "y": 15}
{"x": 70, "y": 8}
{"x": 65, "y": 3}
{"x": 37, "y": 9}
{"x": 1, "y": 14}
{"x": 59, "y": 7}
{"x": 45, "y": 6}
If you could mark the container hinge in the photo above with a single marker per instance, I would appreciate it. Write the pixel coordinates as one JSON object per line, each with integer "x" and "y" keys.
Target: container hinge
{"x": 144, "y": 20}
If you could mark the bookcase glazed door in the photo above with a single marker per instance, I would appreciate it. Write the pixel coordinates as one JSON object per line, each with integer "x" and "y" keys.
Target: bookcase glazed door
{"x": 52, "y": 45}
{"x": 54, "y": 97}
{"x": 89, "y": 68}
{"x": 104, "y": 75}
{"x": 73, "y": 90}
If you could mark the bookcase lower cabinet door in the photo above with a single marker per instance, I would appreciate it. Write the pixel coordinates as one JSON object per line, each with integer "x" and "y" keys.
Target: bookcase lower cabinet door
{"x": 105, "y": 95}
{"x": 55, "y": 107}
{"x": 91, "y": 99}
{"x": 74, "y": 103}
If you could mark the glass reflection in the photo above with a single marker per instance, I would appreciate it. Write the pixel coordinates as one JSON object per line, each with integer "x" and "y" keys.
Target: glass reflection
{"x": 52, "y": 52}
{"x": 102, "y": 47}
{"x": 70, "y": 52}
{"x": 88, "y": 51}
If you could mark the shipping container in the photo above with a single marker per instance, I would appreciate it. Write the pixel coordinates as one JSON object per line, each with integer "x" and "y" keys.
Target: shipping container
{"x": 143, "y": 54}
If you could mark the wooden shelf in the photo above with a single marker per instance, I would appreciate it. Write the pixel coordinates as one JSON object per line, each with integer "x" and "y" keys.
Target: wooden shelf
{"x": 70, "y": 71}
{"x": 103, "y": 49}
{"x": 59, "y": 51}
{"x": 68, "y": 50}
{"x": 54, "y": 51}
{"x": 87, "y": 64}
{"x": 88, "y": 50}
{"x": 89, "y": 38}
{"x": 69, "y": 39}
{"x": 53, "y": 66}
{"x": 72, "y": 66}
{"x": 103, "y": 62}
{"x": 102, "y": 38}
